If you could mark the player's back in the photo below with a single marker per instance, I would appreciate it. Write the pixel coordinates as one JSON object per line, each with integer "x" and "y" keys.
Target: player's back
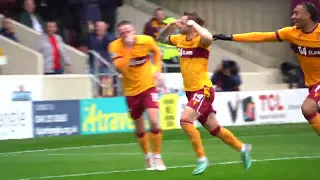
{"x": 138, "y": 76}
{"x": 193, "y": 62}
{"x": 307, "y": 49}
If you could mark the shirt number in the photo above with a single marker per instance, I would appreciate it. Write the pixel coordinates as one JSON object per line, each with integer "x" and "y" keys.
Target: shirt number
{"x": 197, "y": 97}
{"x": 302, "y": 50}
{"x": 155, "y": 97}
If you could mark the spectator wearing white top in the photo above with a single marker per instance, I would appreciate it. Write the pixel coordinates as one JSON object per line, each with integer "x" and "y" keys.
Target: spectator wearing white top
{"x": 31, "y": 19}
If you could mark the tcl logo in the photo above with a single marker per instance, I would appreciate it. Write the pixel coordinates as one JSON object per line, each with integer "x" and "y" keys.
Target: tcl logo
{"x": 270, "y": 102}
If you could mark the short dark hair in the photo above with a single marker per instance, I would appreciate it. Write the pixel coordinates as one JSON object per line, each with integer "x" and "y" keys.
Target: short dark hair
{"x": 195, "y": 17}
{"x": 50, "y": 20}
{"x": 312, "y": 10}
{"x": 158, "y": 9}
{"x": 124, "y": 22}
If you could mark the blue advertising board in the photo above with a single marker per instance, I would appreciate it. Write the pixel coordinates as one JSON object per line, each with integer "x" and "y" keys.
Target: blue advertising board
{"x": 56, "y": 118}
{"x": 105, "y": 115}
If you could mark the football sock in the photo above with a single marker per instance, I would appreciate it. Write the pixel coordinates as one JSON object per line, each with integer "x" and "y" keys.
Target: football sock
{"x": 315, "y": 123}
{"x": 156, "y": 141}
{"x": 143, "y": 140}
{"x": 227, "y": 137}
{"x": 195, "y": 139}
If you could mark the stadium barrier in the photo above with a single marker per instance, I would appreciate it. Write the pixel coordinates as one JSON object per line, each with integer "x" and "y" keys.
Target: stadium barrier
{"x": 29, "y": 119}
{"x": 21, "y": 60}
{"x": 45, "y": 87}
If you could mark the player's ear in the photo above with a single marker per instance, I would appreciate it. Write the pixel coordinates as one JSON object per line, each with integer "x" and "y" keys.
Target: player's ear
{"x": 134, "y": 29}
{"x": 308, "y": 15}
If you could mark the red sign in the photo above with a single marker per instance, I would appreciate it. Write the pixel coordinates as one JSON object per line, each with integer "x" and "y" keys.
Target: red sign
{"x": 271, "y": 102}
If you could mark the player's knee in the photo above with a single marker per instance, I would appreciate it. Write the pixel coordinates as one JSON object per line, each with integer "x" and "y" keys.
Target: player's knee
{"x": 155, "y": 130}
{"x": 140, "y": 134}
{"x": 215, "y": 131}
{"x": 309, "y": 109}
{"x": 185, "y": 121}
{"x": 154, "y": 125}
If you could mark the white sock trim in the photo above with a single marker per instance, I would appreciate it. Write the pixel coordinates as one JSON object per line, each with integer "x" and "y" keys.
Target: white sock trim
{"x": 157, "y": 156}
{"x": 148, "y": 156}
{"x": 243, "y": 148}
{"x": 202, "y": 159}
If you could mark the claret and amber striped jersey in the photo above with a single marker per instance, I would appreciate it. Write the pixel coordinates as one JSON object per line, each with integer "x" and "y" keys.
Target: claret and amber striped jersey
{"x": 305, "y": 45}
{"x": 193, "y": 61}
{"x": 134, "y": 63}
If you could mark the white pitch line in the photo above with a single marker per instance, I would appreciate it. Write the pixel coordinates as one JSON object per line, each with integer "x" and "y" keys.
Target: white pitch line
{"x": 129, "y": 144}
{"x": 134, "y": 143}
{"x": 171, "y": 167}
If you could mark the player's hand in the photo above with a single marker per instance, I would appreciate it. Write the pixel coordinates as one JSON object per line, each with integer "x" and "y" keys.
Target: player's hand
{"x": 190, "y": 23}
{"x": 129, "y": 40}
{"x": 90, "y": 26}
{"x": 222, "y": 37}
{"x": 174, "y": 23}
{"x": 158, "y": 79}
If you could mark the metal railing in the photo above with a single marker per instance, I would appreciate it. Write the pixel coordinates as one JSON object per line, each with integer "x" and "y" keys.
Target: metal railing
{"x": 111, "y": 72}
{"x": 98, "y": 72}
{"x": 165, "y": 67}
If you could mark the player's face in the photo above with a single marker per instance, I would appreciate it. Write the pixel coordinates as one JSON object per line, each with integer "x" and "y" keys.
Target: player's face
{"x": 300, "y": 16}
{"x": 126, "y": 31}
{"x": 182, "y": 24}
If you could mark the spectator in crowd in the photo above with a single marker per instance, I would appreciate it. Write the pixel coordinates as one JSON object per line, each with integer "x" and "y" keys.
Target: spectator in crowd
{"x": 31, "y": 19}
{"x": 293, "y": 75}
{"x": 155, "y": 24}
{"x": 87, "y": 10}
{"x": 51, "y": 46}
{"x": 98, "y": 40}
{"x": 226, "y": 77}
{"x": 7, "y": 29}
{"x": 55, "y": 10}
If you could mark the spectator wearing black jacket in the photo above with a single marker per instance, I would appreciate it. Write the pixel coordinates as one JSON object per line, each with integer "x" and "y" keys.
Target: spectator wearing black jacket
{"x": 226, "y": 77}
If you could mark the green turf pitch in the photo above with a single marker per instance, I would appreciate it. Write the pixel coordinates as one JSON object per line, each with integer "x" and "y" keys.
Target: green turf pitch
{"x": 282, "y": 152}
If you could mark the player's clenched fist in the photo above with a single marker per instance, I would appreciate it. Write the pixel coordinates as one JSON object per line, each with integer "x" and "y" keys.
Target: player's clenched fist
{"x": 190, "y": 22}
{"x": 158, "y": 79}
{"x": 129, "y": 40}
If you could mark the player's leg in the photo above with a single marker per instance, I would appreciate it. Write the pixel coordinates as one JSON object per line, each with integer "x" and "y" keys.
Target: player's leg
{"x": 136, "y": 111}
{"x": 189, "y": 115}
{"x": 150, "y": 104}
{"x": 310, "y": 108}
{"x": 212, "y": 125}
{"x": 208, "y": 119}
{"x": 187, "y": 119}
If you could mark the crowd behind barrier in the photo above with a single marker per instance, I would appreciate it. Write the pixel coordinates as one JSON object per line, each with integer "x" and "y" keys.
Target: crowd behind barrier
{"x": 106, "y": 81}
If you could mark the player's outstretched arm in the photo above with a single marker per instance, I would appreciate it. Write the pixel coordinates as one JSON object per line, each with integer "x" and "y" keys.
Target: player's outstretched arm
{"x": 249, "y": 37}
{"x": 164, "y": 34}
{"x": 206, "y": 36}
